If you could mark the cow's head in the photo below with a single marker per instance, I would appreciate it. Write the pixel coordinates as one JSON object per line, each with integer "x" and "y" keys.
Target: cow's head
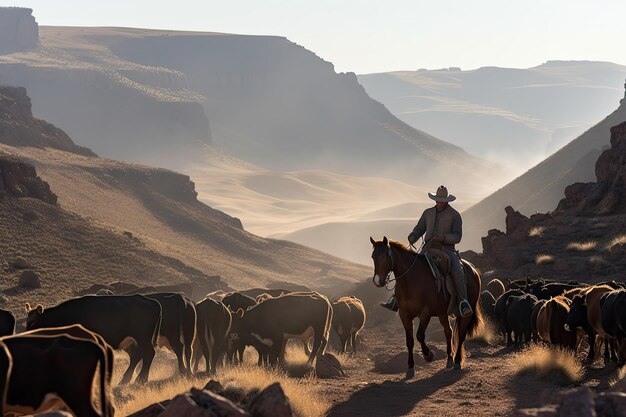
{"x": 577, "y": 315}
{"x": 382, "y": 261}
{"x": 34, "y": 316}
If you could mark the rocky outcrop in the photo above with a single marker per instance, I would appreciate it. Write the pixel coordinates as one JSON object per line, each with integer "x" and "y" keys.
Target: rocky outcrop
{"x": 215, "y": 401}
{"x": 606, "y": 195}
{"x": 19, "y": 179}
{"x": 19, "y": 30}
{"x": 584, "y": 238}
{"x": 18, "y": 127}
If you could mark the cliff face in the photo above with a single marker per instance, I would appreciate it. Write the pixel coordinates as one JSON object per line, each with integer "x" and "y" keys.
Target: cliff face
{"x": 18, "y": 127}
{"x": 275, "y": 104}
{"x": 584, "y": 238}
{"x": 144, "y": 96}
{"x": 19, "y": 30}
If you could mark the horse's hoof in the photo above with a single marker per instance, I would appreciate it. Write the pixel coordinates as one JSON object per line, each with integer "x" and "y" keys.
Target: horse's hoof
{"x": 429, "y": 357}
{"x": 457, "y": 366}
{"x": 410, "y": 373}
{"x": 450, "y": 363}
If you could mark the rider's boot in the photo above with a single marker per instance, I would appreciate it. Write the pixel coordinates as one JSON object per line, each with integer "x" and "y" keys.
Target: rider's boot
{"x": 458, "y": 276}
{"x": 391, "y": 304}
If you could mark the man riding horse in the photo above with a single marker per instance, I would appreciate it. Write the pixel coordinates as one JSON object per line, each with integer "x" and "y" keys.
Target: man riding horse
{"x": 442, "y": 225}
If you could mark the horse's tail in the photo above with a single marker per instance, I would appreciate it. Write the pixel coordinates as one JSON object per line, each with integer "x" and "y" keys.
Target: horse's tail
{"x": 477, "y": 320}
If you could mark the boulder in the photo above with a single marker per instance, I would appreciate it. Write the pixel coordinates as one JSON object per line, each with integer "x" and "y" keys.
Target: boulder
{"x": 328, "y": 366}
{"x": 150, "y": 411}
{"x": 579, "y": 402}
{"x": 214, "y": 386}
{"x": 199, "y": 403}
{"x": 29, "y": 279}
{"x": 271, "y": 402}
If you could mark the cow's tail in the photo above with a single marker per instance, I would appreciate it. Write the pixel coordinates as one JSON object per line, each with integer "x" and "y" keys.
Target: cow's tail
{"x": 157, "y": 328}
{"x": 327, "y": 327}
{"x": 477, "y": 321}
{"x": 189, "y": 333}
{"x": 105, "y": 388}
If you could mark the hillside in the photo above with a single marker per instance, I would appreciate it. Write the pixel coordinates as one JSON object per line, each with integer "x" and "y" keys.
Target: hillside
{"x": 162, "y": 97}
{"x": 541, "y": 188}
{"x": 513, "y": 116}
{"x": 117, "y": 221}
{"x": 583, "y": 238}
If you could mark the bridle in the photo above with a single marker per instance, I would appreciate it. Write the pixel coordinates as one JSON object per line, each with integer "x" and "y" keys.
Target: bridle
{"x": 389, "y": 280}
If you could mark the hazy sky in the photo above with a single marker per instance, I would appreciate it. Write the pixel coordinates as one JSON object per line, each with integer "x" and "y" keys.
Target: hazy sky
{"x": 373, "y": 36}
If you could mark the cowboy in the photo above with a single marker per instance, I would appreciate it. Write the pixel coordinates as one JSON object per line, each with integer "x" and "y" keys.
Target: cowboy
{"x": 442, "y": 224}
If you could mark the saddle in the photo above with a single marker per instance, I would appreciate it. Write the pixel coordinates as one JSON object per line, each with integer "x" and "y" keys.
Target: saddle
{"x": 440, "y": 266}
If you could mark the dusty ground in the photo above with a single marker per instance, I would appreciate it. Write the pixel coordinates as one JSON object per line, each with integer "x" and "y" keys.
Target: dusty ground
{"x": 375, "y": 384}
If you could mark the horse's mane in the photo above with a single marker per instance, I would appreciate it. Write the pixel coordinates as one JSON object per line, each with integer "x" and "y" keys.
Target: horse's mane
{"x": 400, "y": 245}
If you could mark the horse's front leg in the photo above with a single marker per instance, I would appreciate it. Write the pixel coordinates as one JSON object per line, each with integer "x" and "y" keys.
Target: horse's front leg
{"x": 447, "y": 330}
{"x": 407, "y": 322}
{"x": 421, "y": 334}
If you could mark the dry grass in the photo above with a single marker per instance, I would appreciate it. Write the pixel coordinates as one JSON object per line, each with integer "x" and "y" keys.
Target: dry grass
{"x": 544, "y": 259}
{"x": 621, "y": 374}
{"x": 536, "y": 231}
{"x": 549, "y": 363}
{"x": 246, "y": 379}
{"x": 582, "y": 246}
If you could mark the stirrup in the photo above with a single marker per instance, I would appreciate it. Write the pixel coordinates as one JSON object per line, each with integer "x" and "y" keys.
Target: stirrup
{"x": 465, "y": 308}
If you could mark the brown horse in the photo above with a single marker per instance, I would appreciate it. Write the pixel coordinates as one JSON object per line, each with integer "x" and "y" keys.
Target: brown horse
{"x": 417, "y": 296}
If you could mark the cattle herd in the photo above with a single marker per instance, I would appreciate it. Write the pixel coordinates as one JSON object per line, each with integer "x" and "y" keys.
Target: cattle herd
{"x": 560, "y": 314}
{"x": 67, "y": 347}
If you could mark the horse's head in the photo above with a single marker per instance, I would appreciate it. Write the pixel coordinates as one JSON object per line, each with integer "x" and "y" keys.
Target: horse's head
{"x": 381, "y": 255}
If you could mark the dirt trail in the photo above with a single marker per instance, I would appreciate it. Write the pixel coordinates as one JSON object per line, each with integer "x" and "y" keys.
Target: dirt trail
{"x": 375, "y": 384}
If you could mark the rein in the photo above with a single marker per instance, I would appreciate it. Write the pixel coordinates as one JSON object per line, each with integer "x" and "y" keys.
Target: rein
{"x": 389, "y": 280}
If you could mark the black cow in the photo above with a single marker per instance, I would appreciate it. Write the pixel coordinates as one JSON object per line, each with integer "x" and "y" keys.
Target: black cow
{"x": 500, "y": 313}
{"x": 553, "y": 289}
{"x": 235, "y": 301}
{"x": 62, "y": 366}
{"x": 518, "y": 312}
{"x": 178, "y": 326}
{"x": 116, "y": 318}
{"x": 79, "y": 332}
{"x": 7, "y": 323}
{"x": 488, "y": 304}
{"x": 613, "y": 316}
{"x": 212, "y": 331}
{"x": 533, "y": 319}
{"x": 6, "y": 364}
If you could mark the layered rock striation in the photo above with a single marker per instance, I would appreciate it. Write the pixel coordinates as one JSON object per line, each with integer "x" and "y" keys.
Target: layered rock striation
{"x": 19, "y": 30}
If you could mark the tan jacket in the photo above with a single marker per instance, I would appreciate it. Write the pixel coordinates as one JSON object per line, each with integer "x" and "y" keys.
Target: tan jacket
{"x": 447, "y": 222}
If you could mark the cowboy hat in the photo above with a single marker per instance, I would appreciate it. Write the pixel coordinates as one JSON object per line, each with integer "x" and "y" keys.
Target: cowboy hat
{"x": 442, "y": 195}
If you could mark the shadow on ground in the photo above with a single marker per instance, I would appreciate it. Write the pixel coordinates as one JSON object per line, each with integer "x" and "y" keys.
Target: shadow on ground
{"x": 393, "y": 398}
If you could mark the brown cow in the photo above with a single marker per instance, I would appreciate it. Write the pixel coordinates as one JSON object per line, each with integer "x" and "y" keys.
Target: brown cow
{"x": 55, "y": 366}
{"x": 212, "y": 331}
{"x": 585, "y": 312}
{"x": 268, "y": 325}
{"x": 348, "y": 320}
{"x": 551, "y": 323}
